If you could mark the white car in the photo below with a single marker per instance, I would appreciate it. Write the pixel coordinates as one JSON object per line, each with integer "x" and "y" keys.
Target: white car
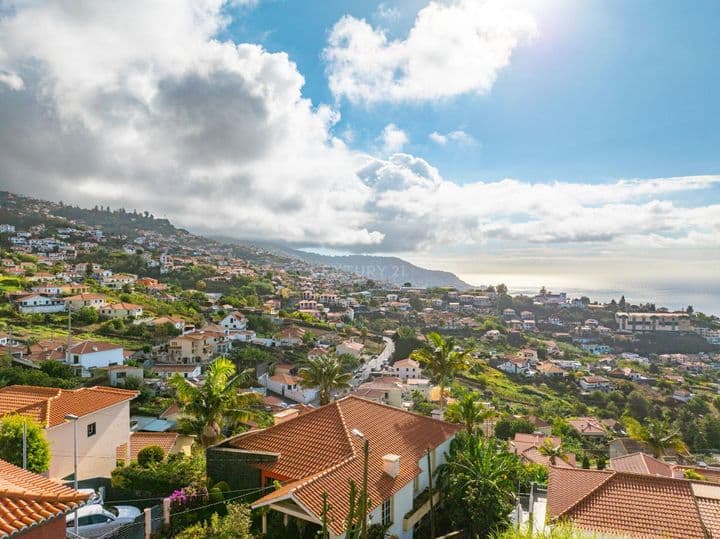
{"x": 96, "y": 520}
{"x": 95, "y": 496}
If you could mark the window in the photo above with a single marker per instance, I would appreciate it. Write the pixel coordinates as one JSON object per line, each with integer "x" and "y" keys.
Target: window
{"x": 76, "y": 359}
{"x": 387, "y": 512}
{"x": 91, "y": 429}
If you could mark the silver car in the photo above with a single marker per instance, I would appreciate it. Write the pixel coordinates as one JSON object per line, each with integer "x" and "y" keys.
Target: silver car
{"x": 95, "y": 520}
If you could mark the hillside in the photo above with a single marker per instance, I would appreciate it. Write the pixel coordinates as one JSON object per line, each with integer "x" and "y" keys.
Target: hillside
{"x": 389, "y": 269}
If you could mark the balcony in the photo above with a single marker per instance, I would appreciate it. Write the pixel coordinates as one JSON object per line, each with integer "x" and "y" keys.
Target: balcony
{"x": 421, "y": 507}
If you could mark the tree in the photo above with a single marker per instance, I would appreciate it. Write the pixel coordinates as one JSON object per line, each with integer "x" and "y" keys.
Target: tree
{"x": 507, "y": 427}
{"x": 326, "y": 373}
{"x": 658, "y": 435}
{"x": 441, "y": 358}
{"x": 552, "y": 451}
{"x": 215, "y": 402}
{"x": 234, "y": 525}
{"x": 87, "y": 315}
{"x": 478, "y": 484}
{"x": 637, "y": 405}
{"x": 150, "y": 455}
{"x": 622, "y": 304}
{"x": 468, "y": 411}
{"x": 11, "y": 443}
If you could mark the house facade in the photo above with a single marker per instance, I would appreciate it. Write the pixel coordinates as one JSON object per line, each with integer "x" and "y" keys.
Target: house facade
{"x": 407, "y": 369}
{"x": 87, "y": 355}
{"x": 655, "y": 321}
{"x": 321, "y": 450}
{"x": 39, "y": 304}
{"x": 103, "y": 424}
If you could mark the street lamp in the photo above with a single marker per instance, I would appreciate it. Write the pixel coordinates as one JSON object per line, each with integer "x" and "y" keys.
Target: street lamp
{"x": 74, "y": 418}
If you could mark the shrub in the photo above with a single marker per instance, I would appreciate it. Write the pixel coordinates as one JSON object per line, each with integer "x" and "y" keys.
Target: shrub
{"x": 150, "y": 455}
{"x": 11, "y": 443}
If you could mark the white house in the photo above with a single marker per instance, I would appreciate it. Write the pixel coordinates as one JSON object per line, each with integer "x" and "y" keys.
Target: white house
{"x": 166, "y": 370}
{"x": 352, "y": 348}
{"x": 398, "y": 472}
{"x": 516, "y": 365}
{"x": 38, "y": 304}
{"x": 118, "y": 374}
{"x": 407, "y": 368}
{"x": 103, "y": 424}
{"x": 121, "y": 310}
{"x": 595, "y": 383}
{"x": 235, "y": 320}
{"x": 596, "y": 349}
{"x": 88, "y": 355}
{"x": 288, "y": 386}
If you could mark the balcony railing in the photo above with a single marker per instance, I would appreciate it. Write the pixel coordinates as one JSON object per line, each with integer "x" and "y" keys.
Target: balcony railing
{"x": 421, "y": 507}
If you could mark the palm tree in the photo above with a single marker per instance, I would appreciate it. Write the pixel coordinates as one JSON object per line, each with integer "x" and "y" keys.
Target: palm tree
{"x": 326, "y": 373}
{"x": 215, "y": 402}
{"x": 553, "y": 451}
{"x": 478, "y": 484}
{"x": 657, "y": 435}
{"x": 442, "y": 359}
{"x": 469, "y": 411}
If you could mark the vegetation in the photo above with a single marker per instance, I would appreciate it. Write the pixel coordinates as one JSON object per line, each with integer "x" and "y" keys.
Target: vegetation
{"x": 11, "y": 443}
{"x": 442, "y": 359}
{"x": 215, "y": 403}
{"x": 478, "y": 483}
{"x": 469, "y": 411}
{"x": 159, "y": 479}
{"x": 235, "y": 524}
{"x": 657, "y": 435}
{"x": 326, "y": 373}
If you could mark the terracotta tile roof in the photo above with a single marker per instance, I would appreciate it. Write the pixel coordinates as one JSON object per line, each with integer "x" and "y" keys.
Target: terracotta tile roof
{"x": 141, "y": 440}
{"x": 587, "y": 425}
{"x": 638, "y": 505}
{"x": 286, "y": 379}
{"x": 320, "y": 451}
{"x": 123, "y": 306}
{"x": 534, "y": 455}
{"x": 90, "y": 347}
{"x": 522, "y": 442}
{"x": 641, "y": 463}
{"x": 48, "y": 406}
{"x": 28, "y": 500}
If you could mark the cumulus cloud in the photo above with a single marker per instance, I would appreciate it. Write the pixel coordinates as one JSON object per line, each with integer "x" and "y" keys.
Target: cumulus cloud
{"x": 458, "y": 136}
{"x": 140, "y": 104}
{"x": 393, "y": 139}
{"x": 453, "y": 48}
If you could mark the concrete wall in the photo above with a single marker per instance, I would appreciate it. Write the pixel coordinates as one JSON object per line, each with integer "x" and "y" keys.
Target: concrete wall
{"x": 99, "y": 359}
{"x": 96, "y": 454}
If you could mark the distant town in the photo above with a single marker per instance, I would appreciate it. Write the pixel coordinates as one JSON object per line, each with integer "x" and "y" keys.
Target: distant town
{"x": 138, "y": 332}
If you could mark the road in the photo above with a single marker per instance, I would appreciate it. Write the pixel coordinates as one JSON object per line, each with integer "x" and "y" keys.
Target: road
{"x": 364, "y": 374}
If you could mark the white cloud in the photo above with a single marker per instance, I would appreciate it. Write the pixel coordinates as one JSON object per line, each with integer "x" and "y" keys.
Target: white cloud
{"x": 387, "y": 13}
{"x": 165, "y": 117}
{"x": 393, "y": 139}
{"x": 458, "y": 136}
{"x": 453, "y": 48}
{"x": 11, "y": 80}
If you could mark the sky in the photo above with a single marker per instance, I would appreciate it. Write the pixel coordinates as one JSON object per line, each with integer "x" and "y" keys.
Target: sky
{"x": 548, "y": 141}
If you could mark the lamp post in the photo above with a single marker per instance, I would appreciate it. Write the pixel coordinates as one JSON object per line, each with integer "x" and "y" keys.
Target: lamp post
{"x": 74, "y": 418}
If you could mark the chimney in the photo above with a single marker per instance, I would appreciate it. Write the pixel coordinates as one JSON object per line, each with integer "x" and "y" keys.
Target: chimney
{"x": 391, "y": 464}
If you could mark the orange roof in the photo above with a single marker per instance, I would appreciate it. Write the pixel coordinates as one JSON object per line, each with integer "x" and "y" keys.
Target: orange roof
{"x": 522, "y": 442}
{"x": 637, "y": 505}
{"x": 141, "y": 440}
{"x": 533, "y": 454}
{"x": 49, "y": 406}
{"x": 90, "y": 347}
{"x": 28, "y": 500}
{"x": 641, "y": 463}
{"x": 587, "y": 425}
{"x": 286, "y": 379}
{"x": 123, "y": 307}
{"x": 321, "y": 451}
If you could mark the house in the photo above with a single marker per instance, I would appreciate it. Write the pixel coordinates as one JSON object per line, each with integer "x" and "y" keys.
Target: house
{"x": 654, "y": 321}
{"x": 516, "y": 365}
{"x": 122, "y": 310}
{"x": 384, "y": 389}
{"x": 613, "y": 503}
{"x": 77, "y": 302}
{"x": 352, "y": 348}
{"x": 166, "y": 370}
{"x": 175, "y": 322}
{"x": 288, "y": 385}
{"x": 34, "y": 507}
{"x": 589, "y": 426}
{"x": 291, "y": 336}
{"x": 595, "y": 383}
{"x": 235, "y": 320}
{"x": 88, "y": 355}
{"x": 547, "y": 368}
{"x": 321, "y": 450}
{"x": 527, "y": 447}
{"x": 682, "y": 395}
{"x": 118, "y": 374}
{"x": 596, "y": 349}
{"x": 119, "y": 280}
{"x": 102, "y": 425}
{"x": 199, "y": 346}
{"x": 170, "y": 442}
{"x": 406, "y": 369}
{"x": 39, "y": 304}
{"x": 541, "y": 426}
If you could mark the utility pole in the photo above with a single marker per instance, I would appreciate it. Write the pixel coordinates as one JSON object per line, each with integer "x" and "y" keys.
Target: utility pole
{"x": 74, "y": 419}
{"x": 25, "y": 444}
{"x": 364, "y": 499}
{"x": 69, "y": 339}
{"x": 430, "y": 490}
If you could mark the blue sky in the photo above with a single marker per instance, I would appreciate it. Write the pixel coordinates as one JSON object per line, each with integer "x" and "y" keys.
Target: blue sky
{"x": 607, "y": 89}
{"x": 550, "y": 141}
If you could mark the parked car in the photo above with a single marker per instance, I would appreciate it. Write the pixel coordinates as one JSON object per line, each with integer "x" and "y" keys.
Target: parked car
{"x": 96, "y": 520}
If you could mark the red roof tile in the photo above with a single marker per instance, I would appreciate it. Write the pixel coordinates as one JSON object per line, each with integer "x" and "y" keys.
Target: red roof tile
{"x": 28, "y": 500}
{"x": 321, "y": 451}
{"x": 641, "y": 463}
